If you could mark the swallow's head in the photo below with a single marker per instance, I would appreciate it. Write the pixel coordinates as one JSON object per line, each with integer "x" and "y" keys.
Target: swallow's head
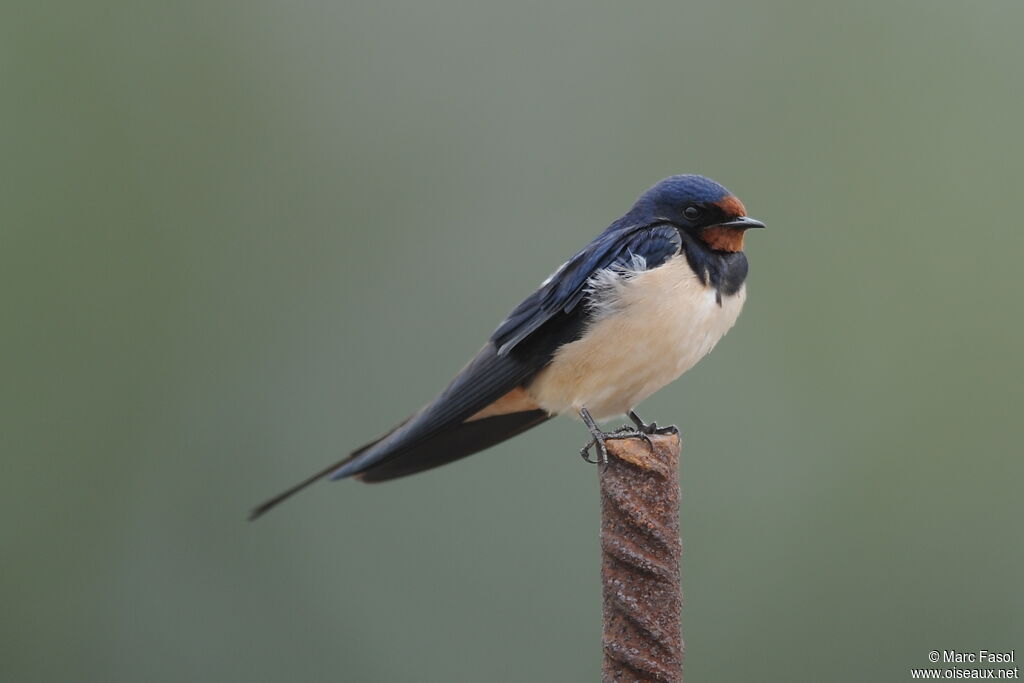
{"x": 700, "y": 207}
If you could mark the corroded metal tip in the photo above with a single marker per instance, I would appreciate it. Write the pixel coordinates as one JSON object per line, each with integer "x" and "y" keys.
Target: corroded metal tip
{"x": 640, "y": 551}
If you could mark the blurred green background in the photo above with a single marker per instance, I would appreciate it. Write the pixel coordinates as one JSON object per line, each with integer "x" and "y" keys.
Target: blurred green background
{"x": 225, "y": 232}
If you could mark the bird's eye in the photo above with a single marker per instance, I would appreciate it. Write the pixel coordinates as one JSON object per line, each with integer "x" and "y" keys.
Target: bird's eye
{"x": 692, "y": 212}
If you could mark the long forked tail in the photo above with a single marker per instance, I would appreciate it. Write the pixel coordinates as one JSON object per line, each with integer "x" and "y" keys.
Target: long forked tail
{"x": 284, "y": 495}
{"x": 484, "y": 405}
{"x": 390, "y": 458}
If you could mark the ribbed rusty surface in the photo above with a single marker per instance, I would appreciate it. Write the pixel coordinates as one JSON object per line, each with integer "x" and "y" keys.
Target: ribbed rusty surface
{"x": 640, "y": 551}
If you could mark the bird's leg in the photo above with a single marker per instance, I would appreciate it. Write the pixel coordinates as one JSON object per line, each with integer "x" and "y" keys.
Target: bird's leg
{"x": 599, "y": 438}
{"x": 651, "y": 428}
{"x": 597, "y": 441}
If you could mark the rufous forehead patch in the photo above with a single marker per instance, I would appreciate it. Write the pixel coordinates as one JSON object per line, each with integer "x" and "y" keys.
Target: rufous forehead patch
{"x": 732, "y": 207}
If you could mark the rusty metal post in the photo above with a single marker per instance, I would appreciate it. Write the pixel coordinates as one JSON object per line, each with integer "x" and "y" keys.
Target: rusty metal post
{"x": 640, "y": 550}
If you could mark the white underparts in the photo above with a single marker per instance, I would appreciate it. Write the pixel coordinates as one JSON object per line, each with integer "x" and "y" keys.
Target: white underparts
{"x": 648, "y": 328}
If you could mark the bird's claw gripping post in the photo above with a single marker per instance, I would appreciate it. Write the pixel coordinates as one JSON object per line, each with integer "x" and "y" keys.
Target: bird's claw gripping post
{"x": 651, "y": 428}
{"x": 602, "y": 453}
{"x": 642, "y": 431}
{"x": 627, "y": 432}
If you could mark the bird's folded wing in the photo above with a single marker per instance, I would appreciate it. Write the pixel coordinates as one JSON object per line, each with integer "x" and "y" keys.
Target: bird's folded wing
{"x": 563, "y": 291}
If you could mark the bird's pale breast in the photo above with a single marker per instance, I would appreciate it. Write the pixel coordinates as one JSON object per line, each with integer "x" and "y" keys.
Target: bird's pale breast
{"x": 650, "y": 328}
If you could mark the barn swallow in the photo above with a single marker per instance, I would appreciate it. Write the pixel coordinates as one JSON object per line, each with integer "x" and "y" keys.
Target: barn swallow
{"x": 632, "y": 311}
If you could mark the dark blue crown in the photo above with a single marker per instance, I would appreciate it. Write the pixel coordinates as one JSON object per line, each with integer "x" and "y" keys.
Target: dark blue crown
{"x": 683, "y": 189}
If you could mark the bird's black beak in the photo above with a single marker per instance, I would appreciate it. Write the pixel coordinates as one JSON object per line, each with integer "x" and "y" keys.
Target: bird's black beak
{"x": 742, "y": 223}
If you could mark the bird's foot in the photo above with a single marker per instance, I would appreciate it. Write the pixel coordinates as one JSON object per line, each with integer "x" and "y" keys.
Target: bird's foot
{"x": 601, "y": 452}
{"x": 651, "y": 428}
{"x": 599, "y": 438}
{"x": 598, "y": 443}
{"x": 628, "y": 432}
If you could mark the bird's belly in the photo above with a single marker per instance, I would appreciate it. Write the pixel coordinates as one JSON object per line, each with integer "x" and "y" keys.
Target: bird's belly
{"x": 658, "y": 324}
